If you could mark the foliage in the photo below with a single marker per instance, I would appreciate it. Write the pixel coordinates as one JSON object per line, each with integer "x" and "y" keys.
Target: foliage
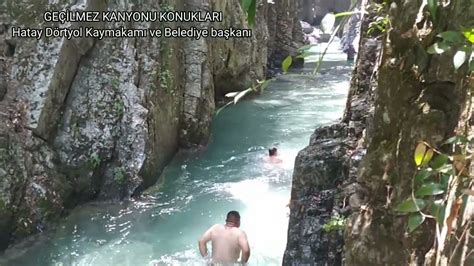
{"x": 336, "y": 223}
{"x": 119, "y": 107}
{"x": 164, "y": 74}
{"x": 120, "y": 175}
{"x": 249, "y": 6}
{"x": 433, "y": 10}
{"x": 250, "y": 9}
{"x": 166, "y": 7}
{"x": 115, "y": 84}
{"x": 94, "y": 161}
{"x": 431, "y": 182}
{"x": 303, "y": 50}
{"x": 237, "y": 95}
{"x": 166, "y": 80}
{"x": 460, "y": 42}
{"x": 381, "y": 22}
{"x": 285, "y": 65}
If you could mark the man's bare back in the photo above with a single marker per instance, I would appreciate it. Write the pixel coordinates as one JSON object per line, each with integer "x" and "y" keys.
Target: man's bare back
{"x": 228, "y": 241}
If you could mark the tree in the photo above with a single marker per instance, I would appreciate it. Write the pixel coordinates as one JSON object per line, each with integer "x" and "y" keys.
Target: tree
{"x": 421, "y": 96}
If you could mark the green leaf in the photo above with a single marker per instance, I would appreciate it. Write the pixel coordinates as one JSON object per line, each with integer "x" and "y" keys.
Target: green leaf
{"x": 246, "y": 5}
{"x": 419, "y": 153}
{"x": 437, "y": 210}
{"x": 451, "y": 140}
{"x": 232, "y": 94}
{"x": 469, "y": 34}
{"x": 347, "y": 13}
{"x": 459, "y": 59}
{"x": 456, "y": 140}
{"x": 265, "y": 84}
{"x": 444, "y": 180}
{"x": 415, "y": 220}
{"x": 306, "y": 54}
{"x": 433, "y": 8}
{"x": 423, "y": 175}
{"x": 242, "y": 94}
{"x": 252, "y": 10}
{"x": 452, "y": 37}
{"x": 286, "y": 63}
{"x": 421, "y": 57}
{"x": 438, "y": 48}
{"x": 446, "y": 169}
{"x": 428, "y": 155}
{"x": 439, "y": 161}
{"x": 429, "y": 190}
{"x": 411, "y": 205}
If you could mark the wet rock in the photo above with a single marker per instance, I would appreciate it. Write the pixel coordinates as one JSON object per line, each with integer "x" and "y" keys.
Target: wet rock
{"x": 307, "y": 28}
{"x": 285, "y": 32}
{"x": 325, "y": 181}
{"x": 313, "y": 11}
{"x": 3, "y": 89}
{"x": 86, "y": 119}
{"x": 351, "y": 34}
{"x": 90, "y": 119}
{"x": 314, "y": 37}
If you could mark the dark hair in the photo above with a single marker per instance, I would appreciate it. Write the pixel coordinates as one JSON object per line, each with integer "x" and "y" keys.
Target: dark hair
{"x": 233, "y": 216}
{"x": 272, "y": 151}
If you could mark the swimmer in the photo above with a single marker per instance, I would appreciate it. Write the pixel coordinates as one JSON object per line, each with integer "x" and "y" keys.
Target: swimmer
{"x": 228, "y": 241}
{"x": 273, "y": 156}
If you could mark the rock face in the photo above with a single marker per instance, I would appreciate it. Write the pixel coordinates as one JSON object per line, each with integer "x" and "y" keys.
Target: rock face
{"x": 363, "y": 167}
{"x": 419, "y": 97}
{"x": 285, "y": 32}
{"x": 85, "y": 118}
{"x": 324, "y": 180}
{"x": 314, "y": 10}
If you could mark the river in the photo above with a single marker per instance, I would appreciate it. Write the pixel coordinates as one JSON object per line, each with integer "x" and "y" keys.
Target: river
{"x": 198, "y": 189}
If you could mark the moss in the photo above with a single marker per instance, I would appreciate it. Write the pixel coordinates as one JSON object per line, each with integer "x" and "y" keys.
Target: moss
{"x": 94, "y": 161}
{"x": 120, "y": 176}
{"x": 3, "y": 142}
{"x": 48, "y": 209}
{"x": 119, "y": 107}
{"x": 34, "y": 10}
{"x": 166, "y": 81}
{"x": 165, "y": 7}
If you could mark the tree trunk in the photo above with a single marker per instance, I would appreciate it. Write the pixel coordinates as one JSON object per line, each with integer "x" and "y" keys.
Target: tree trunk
{"x": 419, "y": 97}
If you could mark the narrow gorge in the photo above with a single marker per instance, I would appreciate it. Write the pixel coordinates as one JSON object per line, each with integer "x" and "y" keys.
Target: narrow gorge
{"x": 87, "y": 119}
{"x": 123, "y": 151}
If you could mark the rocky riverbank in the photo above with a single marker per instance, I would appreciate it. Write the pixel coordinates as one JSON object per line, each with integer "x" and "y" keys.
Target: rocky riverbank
{"x": 325, "y": 187}
{"x": 401, "y": 95}
{"x": 86, "y": 119}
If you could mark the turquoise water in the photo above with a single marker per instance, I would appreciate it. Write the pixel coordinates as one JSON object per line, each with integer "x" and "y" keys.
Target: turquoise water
{"x": 199, "y": 189}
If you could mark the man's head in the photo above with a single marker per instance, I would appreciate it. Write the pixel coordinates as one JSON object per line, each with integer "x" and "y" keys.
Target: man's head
{"x": 233, "y": 217}
{"x": 272, "y": 152}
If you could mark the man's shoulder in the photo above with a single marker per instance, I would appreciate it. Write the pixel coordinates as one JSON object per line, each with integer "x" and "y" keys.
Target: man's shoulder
{"x": 242, "y": 232}
{"x": 217, "y": 226}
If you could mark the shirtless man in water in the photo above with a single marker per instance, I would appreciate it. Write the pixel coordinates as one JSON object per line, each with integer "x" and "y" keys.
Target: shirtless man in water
{"x": 227, "y": 242}
{"x": 273, "y": 156}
